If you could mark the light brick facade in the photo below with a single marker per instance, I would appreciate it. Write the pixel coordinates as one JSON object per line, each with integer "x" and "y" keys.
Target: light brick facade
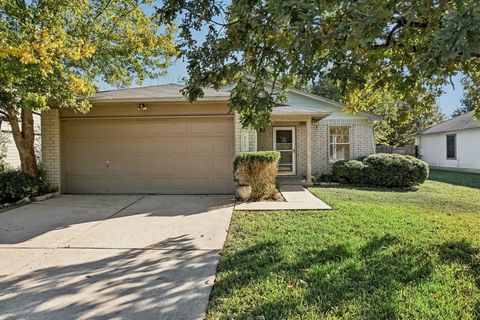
{"x": 51, "y": 145}
{"x": 252, "y": 136}
{"x": 362, "y": 142}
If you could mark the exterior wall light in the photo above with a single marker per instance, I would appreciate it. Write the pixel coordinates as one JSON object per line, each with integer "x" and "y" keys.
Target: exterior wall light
{"x": 141, "y": 107}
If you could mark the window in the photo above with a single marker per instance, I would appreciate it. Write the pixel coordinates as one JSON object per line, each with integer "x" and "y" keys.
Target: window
{"x": 245, "y": 141}
{"x": 339, "y": 143}
{"x": 451, "y": 146}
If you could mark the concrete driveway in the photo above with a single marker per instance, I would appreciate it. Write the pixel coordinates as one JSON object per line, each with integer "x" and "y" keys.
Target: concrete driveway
{"x": 104, "y": 257}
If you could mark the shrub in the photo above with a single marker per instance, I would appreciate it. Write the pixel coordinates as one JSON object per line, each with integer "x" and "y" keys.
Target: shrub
{"x": 16, "y": 185}
{"x": 383, "y": 170}
{"x": 351, "y": 171}
{"x": 394, "y": 170}
{"x": 258, "y": 170}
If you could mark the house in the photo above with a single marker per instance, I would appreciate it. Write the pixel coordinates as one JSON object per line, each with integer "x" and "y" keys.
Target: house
{"x": 8, "y": 150}
{"x": 453, "y": 144}
{"x": 150, "y": 140}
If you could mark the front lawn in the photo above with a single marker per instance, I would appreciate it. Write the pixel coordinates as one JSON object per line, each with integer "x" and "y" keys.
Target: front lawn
{"x": 379, "y": 255}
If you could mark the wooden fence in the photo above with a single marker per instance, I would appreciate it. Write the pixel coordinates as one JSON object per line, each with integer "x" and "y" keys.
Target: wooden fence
{"x": 410, "y": 150}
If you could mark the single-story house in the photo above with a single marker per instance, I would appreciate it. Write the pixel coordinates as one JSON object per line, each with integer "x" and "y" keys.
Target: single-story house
{"x": 150, "y": 140}
{"x": 8, "y": 150}
{"x": 453, "y": 144}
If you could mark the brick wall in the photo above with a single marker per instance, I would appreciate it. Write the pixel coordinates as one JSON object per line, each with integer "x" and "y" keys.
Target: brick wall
{"x": 51, "y": 145}
{"x": 362, "y": 142}
{"x": 252, "y": 136}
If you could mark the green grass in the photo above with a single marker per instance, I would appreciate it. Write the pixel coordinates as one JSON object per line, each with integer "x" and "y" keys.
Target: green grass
{"x": 379, "y": 254}
{"x": 457, "y": 178}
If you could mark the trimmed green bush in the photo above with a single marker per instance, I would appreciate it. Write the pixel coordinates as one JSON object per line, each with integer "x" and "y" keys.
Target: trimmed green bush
{"x": 383, "y": 170}
{"x": 351, "y": 171}
{"x": 16, "y": 185}
{"x": 262, "y": 156}
{"x": 395, "y": 171}
{"x": 258, "y": 170}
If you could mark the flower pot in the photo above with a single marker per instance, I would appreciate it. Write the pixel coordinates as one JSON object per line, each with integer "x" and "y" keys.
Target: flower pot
{"x": 243, "y": 192}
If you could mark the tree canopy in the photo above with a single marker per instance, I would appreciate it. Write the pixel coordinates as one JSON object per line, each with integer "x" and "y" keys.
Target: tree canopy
{"x": 408, "y": 48}
{"x": 401, "y": 121}
{"x": 467, "y": 105}
{"x": 53, "y": 52}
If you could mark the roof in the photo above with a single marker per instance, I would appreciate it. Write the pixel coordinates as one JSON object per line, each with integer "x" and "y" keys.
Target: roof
{"x": 172, "y": 92}
{"x": 286, "y": 110}
{"x": 164, "y": 92}
{"x": 462, "y": 122}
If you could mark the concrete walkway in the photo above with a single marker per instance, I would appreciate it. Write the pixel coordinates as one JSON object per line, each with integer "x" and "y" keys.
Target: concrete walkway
{"x": 296, "y": 198}
{"x": 111, "y": 257}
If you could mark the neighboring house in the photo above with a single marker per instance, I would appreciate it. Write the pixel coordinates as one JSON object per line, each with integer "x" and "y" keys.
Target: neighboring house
{"x": 12, "y": 159}
{"x": 150, "y": 140}
{"x": 453, "y": 144}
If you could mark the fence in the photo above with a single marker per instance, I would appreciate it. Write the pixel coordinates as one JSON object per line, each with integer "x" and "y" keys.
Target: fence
{"x": 410, "y": 150}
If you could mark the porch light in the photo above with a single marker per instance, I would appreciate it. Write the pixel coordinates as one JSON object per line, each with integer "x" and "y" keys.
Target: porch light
{"x": 262, "y": 129}
{"x": 141, "y": 107}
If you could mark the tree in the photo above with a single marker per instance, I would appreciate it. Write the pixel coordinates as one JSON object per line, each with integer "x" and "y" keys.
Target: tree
{"x": 399, "y": 127}
{"x": 52, "y": 52}
{"x": 467, "y": 105}
{"x": 400, "y": 123}
{"x": 410, "y": 48}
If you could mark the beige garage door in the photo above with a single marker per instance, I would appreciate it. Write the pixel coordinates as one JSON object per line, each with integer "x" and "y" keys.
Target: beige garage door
{"x": 160, "y": 156}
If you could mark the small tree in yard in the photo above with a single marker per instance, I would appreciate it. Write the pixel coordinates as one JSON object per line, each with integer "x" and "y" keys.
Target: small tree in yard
{"x": 51, "y": 52}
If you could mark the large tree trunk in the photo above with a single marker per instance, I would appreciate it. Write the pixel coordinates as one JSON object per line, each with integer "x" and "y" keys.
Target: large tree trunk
{"x": 24, "y": 139}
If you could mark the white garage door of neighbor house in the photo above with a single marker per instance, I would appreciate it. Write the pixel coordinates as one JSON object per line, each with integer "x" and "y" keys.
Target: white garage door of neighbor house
{"x": 159, "y": 156}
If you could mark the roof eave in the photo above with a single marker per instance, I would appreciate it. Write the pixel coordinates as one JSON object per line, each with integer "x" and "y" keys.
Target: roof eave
{"x": 166, "y": 99}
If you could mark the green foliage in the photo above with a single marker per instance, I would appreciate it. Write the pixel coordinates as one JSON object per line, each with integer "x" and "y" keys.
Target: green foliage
{"x": 53, "y": 52}
{"x": 16, "y": 185}
{"x": 394, "y": 170}
{"x": 261, "y": 156}
{"x": 402, "y": 119}
{"x": 408, "y": 48}
{"x": 384, "y": 170}
{"x": 350, "y": 172}
{"x": 467, "y": 105}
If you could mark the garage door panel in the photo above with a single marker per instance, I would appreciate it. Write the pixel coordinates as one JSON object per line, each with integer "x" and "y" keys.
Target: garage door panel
{"x": 126, "y": 167}
{"x": 179, "y": 156}
{"x": 201, "y": 145}
{"x": 178, "y": 166}
{"x": 77, "y": 129}
{"x": 221, "y": 166}
{"x": 220, "y": 184}
{"x": 201, "y": 166}
{"x": 91, "y": 166}
{"x": 89, "y": 184}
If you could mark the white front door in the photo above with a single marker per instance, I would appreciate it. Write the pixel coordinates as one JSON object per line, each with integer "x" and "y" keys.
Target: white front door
{"x": 284, "y": 142}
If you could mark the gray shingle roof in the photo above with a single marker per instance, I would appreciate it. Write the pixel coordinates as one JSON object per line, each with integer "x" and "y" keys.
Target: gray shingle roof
{"x": 463, "y": 122}
{"x": 150, "y": 93}
{"x": 285, "y": 109}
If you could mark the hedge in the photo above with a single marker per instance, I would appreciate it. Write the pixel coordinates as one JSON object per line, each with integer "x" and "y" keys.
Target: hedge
{"x": 383, "y": 170}
{"x": 352, "y": 171}
{"x": 16, "y": 185}
{"x": 262, "y": 156}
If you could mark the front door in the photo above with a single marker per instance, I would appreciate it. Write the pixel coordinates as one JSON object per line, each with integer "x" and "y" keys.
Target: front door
{"x": 284, "y": 142}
